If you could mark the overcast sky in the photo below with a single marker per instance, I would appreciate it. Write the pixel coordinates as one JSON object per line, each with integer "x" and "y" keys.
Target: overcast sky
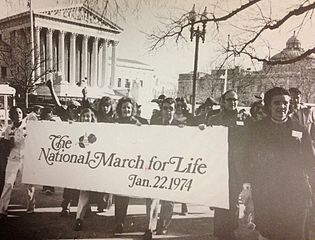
{"x": 173, "y": 59}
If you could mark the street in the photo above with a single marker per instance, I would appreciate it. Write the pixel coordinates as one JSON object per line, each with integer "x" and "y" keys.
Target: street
{"x": 46, "y": 223}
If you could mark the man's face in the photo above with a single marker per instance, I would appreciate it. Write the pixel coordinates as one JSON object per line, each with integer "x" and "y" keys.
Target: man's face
{"x": 279, "y": 107}
{"x": 295, "y": 101}
{"x": 179, "y": 107}
{"x": 167, "y": 111}
{"x": 230, "y": 101}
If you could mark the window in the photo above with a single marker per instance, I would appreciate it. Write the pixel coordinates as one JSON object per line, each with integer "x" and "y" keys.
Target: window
{"x": 3, "y": 72}
{"x": 141, "y": 83}
{"x": 119, "y": 82}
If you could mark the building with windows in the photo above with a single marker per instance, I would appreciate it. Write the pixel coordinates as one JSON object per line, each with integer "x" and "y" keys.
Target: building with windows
{"x": 70, "y": 44}
{"x": 249, "y": 84}
{"x": 134, "y": 79}
{"x": 300, "y": 74}
{"x": 76, "y": 47}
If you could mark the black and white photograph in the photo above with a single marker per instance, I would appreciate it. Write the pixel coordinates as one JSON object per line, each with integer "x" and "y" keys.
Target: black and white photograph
{"x": 157, "y": 119}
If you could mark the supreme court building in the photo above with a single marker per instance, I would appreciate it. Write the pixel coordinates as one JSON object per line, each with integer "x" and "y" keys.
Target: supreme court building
{"x": 75, "y": 46}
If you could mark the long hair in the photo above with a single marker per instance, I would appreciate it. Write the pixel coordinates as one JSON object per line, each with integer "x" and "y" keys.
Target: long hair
{"x": 90, "y": 111}
{"x": 124, "y": 100}
{"x": 102, "y": 102}
{"x": 13, "y": 109}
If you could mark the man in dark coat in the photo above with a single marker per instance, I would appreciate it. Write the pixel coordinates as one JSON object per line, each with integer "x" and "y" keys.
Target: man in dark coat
{"x": 226, "y": 221}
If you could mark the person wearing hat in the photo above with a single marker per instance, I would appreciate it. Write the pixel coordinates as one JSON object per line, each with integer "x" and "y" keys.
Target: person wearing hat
{"x": 157, "y": 112}
{"x": 35, "y": 113}
{"x": 205, "y": 110}
{"x": 280, "y": 153}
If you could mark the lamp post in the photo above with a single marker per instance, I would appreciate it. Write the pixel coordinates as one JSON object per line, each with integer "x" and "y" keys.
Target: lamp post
{"x": 197, "y": 33}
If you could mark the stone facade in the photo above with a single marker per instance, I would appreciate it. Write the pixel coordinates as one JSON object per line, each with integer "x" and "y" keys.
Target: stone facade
{"x": 73, "y": 46}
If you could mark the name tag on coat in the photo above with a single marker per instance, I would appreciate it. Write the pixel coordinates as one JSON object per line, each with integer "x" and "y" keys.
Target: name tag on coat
{"x": 297, "y": 134}
{"x": 239, "y": 123}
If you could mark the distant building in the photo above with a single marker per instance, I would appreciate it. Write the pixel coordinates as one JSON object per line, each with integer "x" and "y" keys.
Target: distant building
{"x": 76, "y": 47}
{"x": 212, "y": 84}
{"x": 249, "y": 84}
{"x": 134, "y": 79}
{"x": 300, "y": 74}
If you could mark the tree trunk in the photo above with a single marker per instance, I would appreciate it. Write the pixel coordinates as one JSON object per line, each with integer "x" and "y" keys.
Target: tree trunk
{"x": 26, "y": 100}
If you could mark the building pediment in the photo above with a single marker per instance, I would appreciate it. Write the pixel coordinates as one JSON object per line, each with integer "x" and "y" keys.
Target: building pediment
{"x": 81, "y": 14}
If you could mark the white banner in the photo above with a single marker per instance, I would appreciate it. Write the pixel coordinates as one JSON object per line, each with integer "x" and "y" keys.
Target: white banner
{"x": 166, "y": 162}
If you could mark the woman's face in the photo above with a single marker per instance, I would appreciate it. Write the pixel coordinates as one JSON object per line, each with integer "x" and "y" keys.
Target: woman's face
{"x": 279, "y": 107}
{"x": 126, "y": 109}
{"x": 17, "y": 115}
{"x": 106, "y": 107}
{"x": 86, "y": 117}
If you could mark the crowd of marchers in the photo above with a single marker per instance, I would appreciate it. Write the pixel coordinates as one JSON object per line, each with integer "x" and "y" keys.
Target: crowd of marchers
{"x": 270, "y": 156}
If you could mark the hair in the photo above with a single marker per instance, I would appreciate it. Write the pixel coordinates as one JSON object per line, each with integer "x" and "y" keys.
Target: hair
{"x": 13, "y": 109}
{"x": 182, "y": 101}
{"x": 275, "y": 91}
{"x": 44, "y": 112}
{"x": 104, "y": 100}
{"x": 168, "y": 100}
{"x": 37, "y": 107}
{"x": 226, "y": 93}
{"x": 124, "y": 100}
{"x": 255, "y": 106}
{"x": 90, "y": 111}
{"x": 295, "y": 91}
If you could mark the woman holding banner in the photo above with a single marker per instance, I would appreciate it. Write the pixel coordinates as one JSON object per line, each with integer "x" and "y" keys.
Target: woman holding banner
{"x": 126, "y": 114}
{"x": 15, "y": 136}
{"x": 86, "y": 115}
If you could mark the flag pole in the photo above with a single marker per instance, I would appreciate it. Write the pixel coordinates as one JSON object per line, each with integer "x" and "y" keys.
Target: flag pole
{"x": 32, "y": 49}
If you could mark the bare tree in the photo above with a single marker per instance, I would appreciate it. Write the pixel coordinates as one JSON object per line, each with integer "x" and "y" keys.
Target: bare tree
{"x": 248, "y": 21}
{"x": 24, "y": 74}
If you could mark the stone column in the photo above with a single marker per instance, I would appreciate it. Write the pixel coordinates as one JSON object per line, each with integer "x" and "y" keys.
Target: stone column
{"x": 37, "y": 52}
{"x": 94, "y": 63}
{"x": 61, "y": 53}
{"x": 113, "y": 65}
{"x": 49, "y": 50}
{"x": 104, "y": 81}
{"x": 72, "y": 57}
{"x": 84, "y": 56}
{"x": 43, "y": 57}
{"x": 99, "y": 64}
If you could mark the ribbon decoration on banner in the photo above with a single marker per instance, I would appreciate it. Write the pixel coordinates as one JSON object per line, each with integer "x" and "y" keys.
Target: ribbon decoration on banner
{"x": 165, "y": 162}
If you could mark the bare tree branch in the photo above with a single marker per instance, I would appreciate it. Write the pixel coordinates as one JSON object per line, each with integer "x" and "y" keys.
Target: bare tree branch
{"x": 175, "y": 28}
{"x": 272, "y": 62}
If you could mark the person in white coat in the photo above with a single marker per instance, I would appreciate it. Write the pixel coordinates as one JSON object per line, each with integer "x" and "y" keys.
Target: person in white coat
{"x": 15, "y": 134}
